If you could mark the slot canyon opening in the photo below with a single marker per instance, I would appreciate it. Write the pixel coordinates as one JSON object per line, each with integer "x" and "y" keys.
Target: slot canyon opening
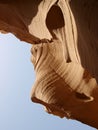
{"x": 54, "y": 19}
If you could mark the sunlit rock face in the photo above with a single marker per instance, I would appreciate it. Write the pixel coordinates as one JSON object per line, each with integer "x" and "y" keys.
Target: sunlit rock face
{"x": 64, "y": 51}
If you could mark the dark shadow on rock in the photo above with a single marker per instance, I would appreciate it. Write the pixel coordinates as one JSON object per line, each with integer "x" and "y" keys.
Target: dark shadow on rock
{"x": 86, "y": 17}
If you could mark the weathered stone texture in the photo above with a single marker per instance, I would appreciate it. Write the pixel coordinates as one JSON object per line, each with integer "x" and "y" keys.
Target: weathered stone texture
{"x": 64, "y": 51}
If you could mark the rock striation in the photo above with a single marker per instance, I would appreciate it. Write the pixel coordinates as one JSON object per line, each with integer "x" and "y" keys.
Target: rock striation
{"x": 64, "y": 51}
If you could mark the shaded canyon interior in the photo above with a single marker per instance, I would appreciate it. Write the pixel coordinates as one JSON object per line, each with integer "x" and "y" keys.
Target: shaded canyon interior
{"x": 64, "y": 38}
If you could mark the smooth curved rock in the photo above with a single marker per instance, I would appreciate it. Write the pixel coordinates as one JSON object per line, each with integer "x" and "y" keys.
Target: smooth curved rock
{"x": 64, "y": 53}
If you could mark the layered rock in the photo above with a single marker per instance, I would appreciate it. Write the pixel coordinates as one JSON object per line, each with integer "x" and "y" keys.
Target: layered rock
{"x": 64, "y": 53}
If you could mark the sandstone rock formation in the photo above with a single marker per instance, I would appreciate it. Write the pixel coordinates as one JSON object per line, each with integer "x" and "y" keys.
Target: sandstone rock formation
{"x": 64, "y": 51}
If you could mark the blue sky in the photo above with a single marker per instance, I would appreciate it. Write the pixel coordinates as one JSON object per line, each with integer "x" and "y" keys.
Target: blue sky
{"x": 17, "y": 112}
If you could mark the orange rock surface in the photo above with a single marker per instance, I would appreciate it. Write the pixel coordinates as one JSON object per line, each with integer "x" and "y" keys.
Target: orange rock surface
{"x": 64, "y": 51}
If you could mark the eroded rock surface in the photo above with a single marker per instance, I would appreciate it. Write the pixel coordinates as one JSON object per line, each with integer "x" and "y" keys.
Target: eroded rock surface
{"x": 64, "y": 53}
